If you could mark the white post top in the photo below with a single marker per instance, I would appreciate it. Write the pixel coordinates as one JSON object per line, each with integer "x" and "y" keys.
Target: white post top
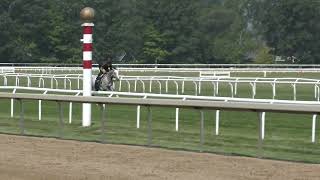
{"x": 87, "y": 24}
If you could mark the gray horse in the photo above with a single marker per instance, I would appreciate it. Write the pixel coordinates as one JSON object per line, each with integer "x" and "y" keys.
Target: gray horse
{"x": 106, "y": 82}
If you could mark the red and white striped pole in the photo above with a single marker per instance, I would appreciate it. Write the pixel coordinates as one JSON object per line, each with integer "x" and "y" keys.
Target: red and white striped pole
{"x": 87, "y": 15}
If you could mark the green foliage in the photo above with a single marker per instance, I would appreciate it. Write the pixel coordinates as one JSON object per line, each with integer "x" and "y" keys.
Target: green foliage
{"x": 38, "y": 31}
{"x": 290, "y": 28}
{"x": 264, "y": 56}
{"x": 166, "y": 31}
{"x": 153, "y": 45}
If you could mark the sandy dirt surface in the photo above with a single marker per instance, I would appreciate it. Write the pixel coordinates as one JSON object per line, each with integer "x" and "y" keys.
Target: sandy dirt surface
{"x": 31, "y": 158}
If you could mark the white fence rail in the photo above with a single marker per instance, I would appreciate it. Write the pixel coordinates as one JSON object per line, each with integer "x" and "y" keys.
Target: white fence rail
{"x": 256, "y": 68}
{"x": 171, "y": 65}
{"x": 217, "y": 103}
{"x": 161, "y": 84}
{"x": 296, "y": 107}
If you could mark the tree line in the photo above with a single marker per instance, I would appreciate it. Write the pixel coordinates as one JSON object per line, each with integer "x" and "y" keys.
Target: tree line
{"x": 162, "y": 31}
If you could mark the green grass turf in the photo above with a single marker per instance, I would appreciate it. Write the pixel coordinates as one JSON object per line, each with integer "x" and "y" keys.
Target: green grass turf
{"x": 288, "y": 136}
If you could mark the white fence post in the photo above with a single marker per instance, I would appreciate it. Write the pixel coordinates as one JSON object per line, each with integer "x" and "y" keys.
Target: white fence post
{"x": 138, "y": 114}
{"x": 40, "y": 108}
{"x": 217, "y": 121}
{"x": 177, "y": 87}
{"x": 294, "y": 92}
{"x": 236, "y": 87}
{"x": 177, "y": 119}
{"x": 12, "y": 103}
{"x": 70, "y": 109}
{"x": 150, "y": 85}
{"x": 263, "y": 119}
{"x": 314, "y": 120}
{"x": 177, "y": 116}
{"x": 135, "y": 85}
{"x": 182, "y": 88}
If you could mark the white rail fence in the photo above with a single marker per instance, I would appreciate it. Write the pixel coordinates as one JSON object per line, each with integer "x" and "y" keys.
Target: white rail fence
{"x": 161, "y": 84}
{"x": 217, "y": 68}
{"x": 258, "y": 106}
{"x": 210, "y": 102}
{"x": 170, "y": 65}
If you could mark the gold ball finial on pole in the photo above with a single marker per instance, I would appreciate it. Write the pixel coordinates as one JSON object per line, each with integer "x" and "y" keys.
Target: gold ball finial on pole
{"x": 87, "y": 14}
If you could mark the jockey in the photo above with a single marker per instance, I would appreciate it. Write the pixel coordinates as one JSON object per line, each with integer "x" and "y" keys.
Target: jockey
{"x": 109, "y": 64}
{"x": 105, "y": 69}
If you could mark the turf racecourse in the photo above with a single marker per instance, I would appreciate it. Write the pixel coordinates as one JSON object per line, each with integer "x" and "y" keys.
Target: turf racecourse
{"x": 288, "y": 136}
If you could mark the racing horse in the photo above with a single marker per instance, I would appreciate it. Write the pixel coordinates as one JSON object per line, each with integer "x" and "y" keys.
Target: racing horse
{"x": 105, "y": 81}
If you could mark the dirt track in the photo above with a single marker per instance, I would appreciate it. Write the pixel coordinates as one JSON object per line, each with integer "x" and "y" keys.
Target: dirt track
{"x": 42, "y": 158}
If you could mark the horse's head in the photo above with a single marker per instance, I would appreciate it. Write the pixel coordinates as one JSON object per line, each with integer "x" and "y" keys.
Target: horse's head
{"x": 116, "y": 74}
